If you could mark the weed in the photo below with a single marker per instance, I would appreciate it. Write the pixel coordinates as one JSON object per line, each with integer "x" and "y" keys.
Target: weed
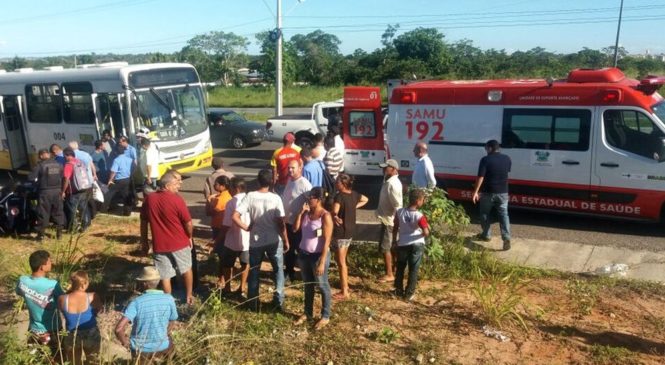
{"x": 608, "y": 355}
{"x": 387, "y": 335}
{"x": 498, "y": 297}
{"x": 583, "y": 294}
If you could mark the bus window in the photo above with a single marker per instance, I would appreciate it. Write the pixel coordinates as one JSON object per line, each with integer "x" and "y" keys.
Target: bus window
{"x": 77, "y": 102}
{"x": 109, "y": 114}
{"x": 44, "y": 104}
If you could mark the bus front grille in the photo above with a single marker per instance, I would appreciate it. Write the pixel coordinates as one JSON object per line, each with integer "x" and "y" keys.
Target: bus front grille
{"x": 178, "y": 148}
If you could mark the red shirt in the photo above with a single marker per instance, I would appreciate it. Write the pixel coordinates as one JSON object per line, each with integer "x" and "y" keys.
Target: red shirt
{"x": 168, "y": 215}
{"x": 281, "y": 159}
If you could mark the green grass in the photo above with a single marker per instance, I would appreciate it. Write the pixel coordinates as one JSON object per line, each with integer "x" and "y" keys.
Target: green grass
{"x": 259, "y": 96}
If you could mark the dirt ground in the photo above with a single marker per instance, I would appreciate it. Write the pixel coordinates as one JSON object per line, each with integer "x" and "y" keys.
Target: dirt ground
{"x": 569, "y": 320}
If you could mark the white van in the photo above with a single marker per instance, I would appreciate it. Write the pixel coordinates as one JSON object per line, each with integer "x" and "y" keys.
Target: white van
{"x": 593, "y": 143}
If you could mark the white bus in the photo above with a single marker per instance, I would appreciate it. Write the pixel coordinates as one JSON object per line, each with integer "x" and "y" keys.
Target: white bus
{"x": 38, "y": 108}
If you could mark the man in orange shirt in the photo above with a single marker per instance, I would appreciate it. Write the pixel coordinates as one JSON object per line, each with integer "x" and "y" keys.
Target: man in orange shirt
{"x": 280, "y": 162}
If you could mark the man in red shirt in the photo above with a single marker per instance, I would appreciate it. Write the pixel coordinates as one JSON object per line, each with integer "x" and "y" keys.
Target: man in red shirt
{"x": 172, "y": 229}
{"x": 280, "y": 162}
{"x": 76, "y": 200}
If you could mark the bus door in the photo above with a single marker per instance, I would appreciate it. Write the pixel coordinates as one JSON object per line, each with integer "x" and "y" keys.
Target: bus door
{"x": 14, "y": 153}
{"x": 109, "y": 114}
{"x": 362, "y": 129}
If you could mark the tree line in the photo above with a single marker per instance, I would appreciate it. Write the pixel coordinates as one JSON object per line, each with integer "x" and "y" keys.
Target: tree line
{"x": 315, "y": 59}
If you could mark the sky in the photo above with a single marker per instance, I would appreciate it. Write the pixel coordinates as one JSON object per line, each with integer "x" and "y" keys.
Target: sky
{"x": 38, "y": 28}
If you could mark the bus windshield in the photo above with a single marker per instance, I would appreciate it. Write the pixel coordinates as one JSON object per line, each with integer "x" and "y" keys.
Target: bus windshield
{"x": 171, "y": 113}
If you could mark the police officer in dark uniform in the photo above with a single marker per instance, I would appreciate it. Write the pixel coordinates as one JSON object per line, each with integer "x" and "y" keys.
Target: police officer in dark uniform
{"x": 48, "y": 176}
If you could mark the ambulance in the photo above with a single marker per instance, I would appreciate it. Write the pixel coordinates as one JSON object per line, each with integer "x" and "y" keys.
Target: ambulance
{"x": 593, "y": 143}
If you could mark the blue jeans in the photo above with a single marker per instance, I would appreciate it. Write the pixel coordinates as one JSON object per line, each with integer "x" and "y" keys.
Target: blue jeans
{"x": 411, "y": 256}
{"x": 308, "y": 263}
{"x": 75, "y": 204}
{"x": 500, "y": 202}
{"x": 275, "y": 254}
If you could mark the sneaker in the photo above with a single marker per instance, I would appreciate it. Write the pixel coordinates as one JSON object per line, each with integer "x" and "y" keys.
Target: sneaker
{"x": 506, "y": 245}
{"x": 410, "y": 297}
{"x": 480, "y": 237}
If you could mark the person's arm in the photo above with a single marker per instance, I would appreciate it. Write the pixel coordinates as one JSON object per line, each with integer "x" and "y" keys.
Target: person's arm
{"x": 237, "y": 220}
{"x": 96, "y": 302}
{"x": 61, "y": 303}
{"x": 298, "y": 221}
{"x": 93, "y": 168}
{"x": 189, "y": 229}
{"x": 395, "y": 229}
{"x": 476, "y": 189}
{"x": 65, "y": 186}
{"x": 429, "y": 174}
{"x": 34, "y": 174}
{"x": 327, "y": 236}
{"x": 336, "y": 219}
{"x": 362, "y": 201}
{"x": 281, "y": 221}
{"x": 121, "y": 333}
{"x": 111, "y": 177}
{"x": 393, "y": 196}
{"x": 424, "y": 225}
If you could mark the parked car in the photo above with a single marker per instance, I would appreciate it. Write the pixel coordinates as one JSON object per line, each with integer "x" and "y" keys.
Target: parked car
{"x": 232, "y": 129}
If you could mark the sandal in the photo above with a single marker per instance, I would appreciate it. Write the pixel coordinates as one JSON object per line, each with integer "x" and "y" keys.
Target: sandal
{"x": 387, "y": 279}
{"x": 321, "y": 323}
{"x": 341, "y": 296}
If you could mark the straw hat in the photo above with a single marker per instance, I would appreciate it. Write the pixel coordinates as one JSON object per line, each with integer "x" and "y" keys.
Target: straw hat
{"x": 149, "y": 273}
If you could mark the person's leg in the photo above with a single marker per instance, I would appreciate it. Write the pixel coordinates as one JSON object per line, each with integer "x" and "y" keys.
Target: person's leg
{"x": 386, "y": 247}
{"x": 188, "y": 278}
{"x": 485, "y": 207}
{"x": 83, "y": 209}
{"x": 324, "y": 287}
{"x": 108, "y": 197}
{"x": 43, "y": 213}
{"x": 255, "y": 257}
{"x": 276, "y": 256}
{"x": 166, "y": 271}
{"x": 291, "y": 256}
{"x": 414, "y": 259}
{"x": 501, "y": 204}
{"x": 402, "y": 255}
{"x": 307, "y": 272}
{"x": 58, "y": 214}
{"x": 244, "y": 268}
{"x": 340, "y": 258}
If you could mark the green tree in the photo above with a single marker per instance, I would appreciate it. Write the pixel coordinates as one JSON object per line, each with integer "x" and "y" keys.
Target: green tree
{"x": 226, "y": 50}
{"x": 265, "y": 63}
{"x": 426, "y": 45}
{"x": 318, "y": 57}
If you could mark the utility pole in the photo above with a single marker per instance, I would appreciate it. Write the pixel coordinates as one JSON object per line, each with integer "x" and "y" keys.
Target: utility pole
{"x": 278, "y": 61}
{"x": 616, "y": 44}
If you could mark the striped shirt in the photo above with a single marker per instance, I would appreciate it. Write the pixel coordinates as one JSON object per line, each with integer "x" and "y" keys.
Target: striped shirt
{"x": 150, "y": 314}
{"x": 334, "y": 162}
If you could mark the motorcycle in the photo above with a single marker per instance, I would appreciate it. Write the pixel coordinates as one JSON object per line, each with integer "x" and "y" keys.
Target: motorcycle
{"x": 18, "y": 208}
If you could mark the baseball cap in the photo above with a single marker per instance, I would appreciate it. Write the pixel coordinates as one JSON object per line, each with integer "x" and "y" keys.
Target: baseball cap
{"x": 392, "y": 163}
{"x": 289, "y": 137}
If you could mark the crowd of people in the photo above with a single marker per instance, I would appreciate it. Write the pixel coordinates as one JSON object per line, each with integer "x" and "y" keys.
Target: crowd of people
{"x": 303, "y": 211}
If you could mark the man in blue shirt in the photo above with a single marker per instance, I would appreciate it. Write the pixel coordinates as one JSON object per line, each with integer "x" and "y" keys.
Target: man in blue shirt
{"x": 56, "y": 151}
{"x": 119, "y": 180}
{"x": 151, "y": 315}
{"x": 313, "y": 170}
{"x": 41, "y": 297}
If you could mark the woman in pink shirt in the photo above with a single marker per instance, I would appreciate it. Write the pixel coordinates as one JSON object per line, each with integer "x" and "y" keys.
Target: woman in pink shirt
{"x": 314, "y": 255}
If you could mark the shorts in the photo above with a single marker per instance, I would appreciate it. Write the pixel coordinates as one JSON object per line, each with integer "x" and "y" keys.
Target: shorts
{"x": 341, "y": 243}
{"x": 386, "y": 238}
{"x": 88, "y": 339}
{"x": 228, "y": 257}
{"x": 170, "y": 263}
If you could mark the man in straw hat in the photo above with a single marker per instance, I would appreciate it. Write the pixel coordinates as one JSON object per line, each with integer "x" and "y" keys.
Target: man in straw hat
{"x": 151, "y": 315}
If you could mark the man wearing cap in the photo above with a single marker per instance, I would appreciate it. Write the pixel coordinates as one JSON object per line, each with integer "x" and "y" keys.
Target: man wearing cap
{"x": 152, "y": 315}
{"x": 390, "y": 199}
{"x": 280, "y": 162}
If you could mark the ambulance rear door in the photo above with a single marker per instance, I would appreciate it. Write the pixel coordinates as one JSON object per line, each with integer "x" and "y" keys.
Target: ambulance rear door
{"x": 362, "y": 129}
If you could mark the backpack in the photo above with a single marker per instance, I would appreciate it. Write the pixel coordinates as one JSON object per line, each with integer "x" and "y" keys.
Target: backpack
{"x": 80, "y": 178}
{"x": 328, "y": 182}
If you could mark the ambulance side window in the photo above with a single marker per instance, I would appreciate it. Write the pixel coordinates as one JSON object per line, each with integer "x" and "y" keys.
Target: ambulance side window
{"x": 633, "y": 131}
{"x": 548, "y": 129}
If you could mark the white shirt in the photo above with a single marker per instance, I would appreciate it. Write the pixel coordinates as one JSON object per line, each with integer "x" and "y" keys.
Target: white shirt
{"x": 339, "y": 146}
{"x": 236, "y": 239}
{"x": 152, "y": 160}
{"x": 390, "y": 200}
{"x": 410, "y": 223}
{"x": 294, "y": 197}
{"x": 423, "y": 173}
{"x": 322, "y": 152}
{"x": 264, "y": 209}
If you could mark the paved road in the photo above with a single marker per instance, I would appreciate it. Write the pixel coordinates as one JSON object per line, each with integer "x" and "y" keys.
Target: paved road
{"x": 525, "y": 224}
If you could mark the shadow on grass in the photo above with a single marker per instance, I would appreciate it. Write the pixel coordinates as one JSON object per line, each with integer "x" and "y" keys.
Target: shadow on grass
{"x": 609, "y": 338}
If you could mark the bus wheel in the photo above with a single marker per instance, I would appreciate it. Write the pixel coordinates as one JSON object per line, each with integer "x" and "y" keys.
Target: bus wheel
{"x": 238, "y": 142}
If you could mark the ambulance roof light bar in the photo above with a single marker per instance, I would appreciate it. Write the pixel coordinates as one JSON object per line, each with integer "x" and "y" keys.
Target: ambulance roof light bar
{"x": 651, "y": 84}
